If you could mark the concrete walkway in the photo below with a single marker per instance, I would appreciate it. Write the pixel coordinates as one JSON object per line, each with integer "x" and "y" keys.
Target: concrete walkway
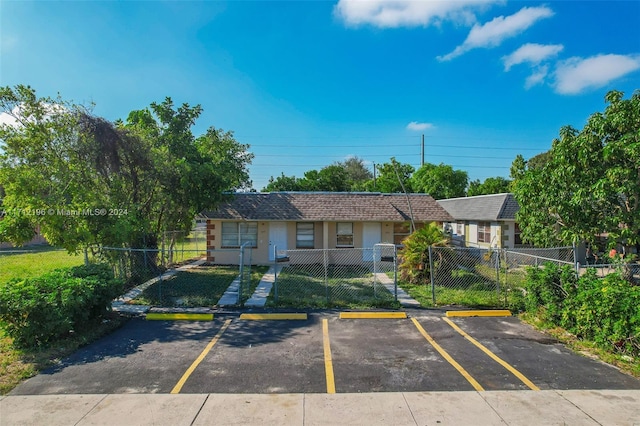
{"x": 547, "y": 407}
{"x": 259, "y": 297}
{"x": 404, "y": 298}
{"x": 121, "y": 303}
{"x": 230, "y": 296}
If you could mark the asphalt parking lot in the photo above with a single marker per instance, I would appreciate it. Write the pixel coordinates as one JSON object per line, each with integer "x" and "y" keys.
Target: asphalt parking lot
{"x": 325, "y": 354}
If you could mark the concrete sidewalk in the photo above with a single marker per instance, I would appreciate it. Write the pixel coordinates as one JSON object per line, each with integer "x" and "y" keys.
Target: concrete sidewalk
{"x": 574, "y": 407}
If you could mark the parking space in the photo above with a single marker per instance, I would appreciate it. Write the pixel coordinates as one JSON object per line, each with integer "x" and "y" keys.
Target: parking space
{"x": 325, "y": 354}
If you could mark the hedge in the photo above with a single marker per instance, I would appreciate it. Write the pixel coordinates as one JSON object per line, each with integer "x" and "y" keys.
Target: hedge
{"x": 603, "y": 310}
{"x": 37, "y": 310}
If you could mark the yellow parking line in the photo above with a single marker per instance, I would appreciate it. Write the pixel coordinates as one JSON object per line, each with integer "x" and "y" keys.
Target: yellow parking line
{"x": 282, "y": 316}
{"x": 179, "y": 316}
{"x": 448, "y": 357}
{"x": 493, "y": 356}
{"x": 480, "y": 313}
{"x": 328, "y": 362}
{"x": 368, "y": 315}
{"x": 178, "y": 387}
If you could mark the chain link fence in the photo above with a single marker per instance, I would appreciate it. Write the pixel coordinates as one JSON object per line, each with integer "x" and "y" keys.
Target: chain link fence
{"x": 486, "y": 277}
{"x": 337, "y": 277}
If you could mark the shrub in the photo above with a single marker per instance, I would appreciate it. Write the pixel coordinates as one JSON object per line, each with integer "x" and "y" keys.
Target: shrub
{"x": 603, "y": 310}
{"x": 414, "y": 267}
{"x": 36, "y": 310}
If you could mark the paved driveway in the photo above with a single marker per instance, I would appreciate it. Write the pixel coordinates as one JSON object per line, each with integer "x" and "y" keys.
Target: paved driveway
{"x": 325, "y": 354}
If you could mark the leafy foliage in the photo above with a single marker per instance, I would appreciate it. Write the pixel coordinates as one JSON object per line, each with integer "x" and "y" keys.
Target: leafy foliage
{"x": 440, "y": 181}
{"x": 588, "y": 184}
{"x": 142, "y": 177}
{"x": 37, "y": 310}
{"x": 414, "y": 267}
{"x": 491, "y": 185}
{"x": 604, "y": 310}
{"x": 350, "y": 175}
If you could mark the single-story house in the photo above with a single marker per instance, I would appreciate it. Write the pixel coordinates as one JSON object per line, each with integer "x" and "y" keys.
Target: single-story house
{"x": 483, "y": 221}
{"x": 314, "y": 220}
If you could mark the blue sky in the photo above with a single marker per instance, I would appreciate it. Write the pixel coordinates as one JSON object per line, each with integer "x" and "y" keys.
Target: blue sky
{"x": 308, "y": 83}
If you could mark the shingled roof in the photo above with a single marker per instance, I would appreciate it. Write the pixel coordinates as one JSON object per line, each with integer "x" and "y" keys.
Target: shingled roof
{"x": 482, "y": 207}
{"x": 330, "y": 206}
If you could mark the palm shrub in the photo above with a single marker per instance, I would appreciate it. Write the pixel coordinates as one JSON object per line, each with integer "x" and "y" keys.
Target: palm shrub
{"x": 414, "y": 267}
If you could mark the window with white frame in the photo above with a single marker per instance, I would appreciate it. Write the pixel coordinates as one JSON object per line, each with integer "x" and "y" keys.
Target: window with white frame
{"x": 304, "y": 235}
{"x": 234, "y": 234}
{"x": 484, "y": 232}
{"x": 459, "y": 228}
{"x": 344, "y": 234}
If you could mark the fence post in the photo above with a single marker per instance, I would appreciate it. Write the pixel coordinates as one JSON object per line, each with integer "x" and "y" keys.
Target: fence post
{"x": 326, "y": 273}
{"x": 395, "y": 272}
{"x": 241, "y": 270}
{"x": 498, "y": 271}
{"x": 431, "y": 275}
{"x": 575, "y": 260}
{"x": 275, "y": 274}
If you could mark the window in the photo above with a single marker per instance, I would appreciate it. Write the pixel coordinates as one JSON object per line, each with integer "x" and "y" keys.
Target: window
{"x": 400, "y": 232}
{"x": 517, "y": 239}
{"x": 234, "y": 234}
{"x": 304, "y": 235}
{"x": 484, "y": 232}
{"x": 344, "y": 231}
{"x": 460, "y": 229}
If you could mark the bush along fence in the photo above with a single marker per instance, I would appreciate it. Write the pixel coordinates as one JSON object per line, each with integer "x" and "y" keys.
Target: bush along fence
{"x": 37, "y": 310}
{"x": 604, "y": 310}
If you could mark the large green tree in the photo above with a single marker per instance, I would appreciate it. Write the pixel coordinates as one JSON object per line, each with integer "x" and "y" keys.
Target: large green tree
{"x": 491, "y": 185}
{"x": 440, "y": 181}
{"x": 88, "y": 182}
{"x": 392, "y": 177}
{"x": 590, "y": 182}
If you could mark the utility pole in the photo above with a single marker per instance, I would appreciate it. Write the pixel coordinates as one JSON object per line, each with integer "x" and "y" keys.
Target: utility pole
{"x": 422, "y": 152}
{"x": 374, "y": 176}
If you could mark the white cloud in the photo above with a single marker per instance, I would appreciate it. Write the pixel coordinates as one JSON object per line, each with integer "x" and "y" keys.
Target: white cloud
{"x": 537, "y": 77}
{"x": 531, "y": 53}
{"x": 414, "y": 125}
{"x": 8, "y": 118}
{"x": 408, "y": 13}
{"x": 576, "y": 75}
{"x": 498, "y": 29}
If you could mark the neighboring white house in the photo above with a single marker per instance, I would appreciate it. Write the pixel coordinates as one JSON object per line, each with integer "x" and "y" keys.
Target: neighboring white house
{"x": 483, "y": 221}
{"x": 314, "y": 220}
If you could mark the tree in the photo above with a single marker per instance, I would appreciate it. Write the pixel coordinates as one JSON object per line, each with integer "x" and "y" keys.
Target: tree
{"x": 590, "y": 184}
{"x": 331, "y": 178}
{"x": 414, "y": 267}
{"x": 357, "y": 174}
{"x": 88, "y": 182}
{"x": 440, "y": 181}
{"x": 491, "y": 185}
{"x": 392, "y": 177}
{"x": 283, "y": 183}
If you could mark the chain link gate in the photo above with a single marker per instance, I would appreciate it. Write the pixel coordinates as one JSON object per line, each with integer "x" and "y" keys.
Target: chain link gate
{"x": 337, "y": 277}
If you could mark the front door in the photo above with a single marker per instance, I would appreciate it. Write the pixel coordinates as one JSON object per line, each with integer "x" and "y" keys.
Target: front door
{"x": 277, "y": 239}
{"x": 371, "y": 235}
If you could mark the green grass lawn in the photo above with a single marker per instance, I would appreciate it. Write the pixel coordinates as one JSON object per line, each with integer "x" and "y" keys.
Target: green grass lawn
{"x": 197, "y": 287}
{"x": 347, "y": 287}
{"x": 35, "y": 261}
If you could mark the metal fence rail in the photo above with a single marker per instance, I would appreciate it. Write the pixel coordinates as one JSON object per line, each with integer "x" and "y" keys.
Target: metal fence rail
{"x": 484, "y": 276}
{"x": 337, "y": 277}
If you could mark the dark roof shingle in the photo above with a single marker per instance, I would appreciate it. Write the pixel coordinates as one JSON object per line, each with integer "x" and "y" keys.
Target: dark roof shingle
{"x": 482, "y": 207}
{"x": 330, "y": 206}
